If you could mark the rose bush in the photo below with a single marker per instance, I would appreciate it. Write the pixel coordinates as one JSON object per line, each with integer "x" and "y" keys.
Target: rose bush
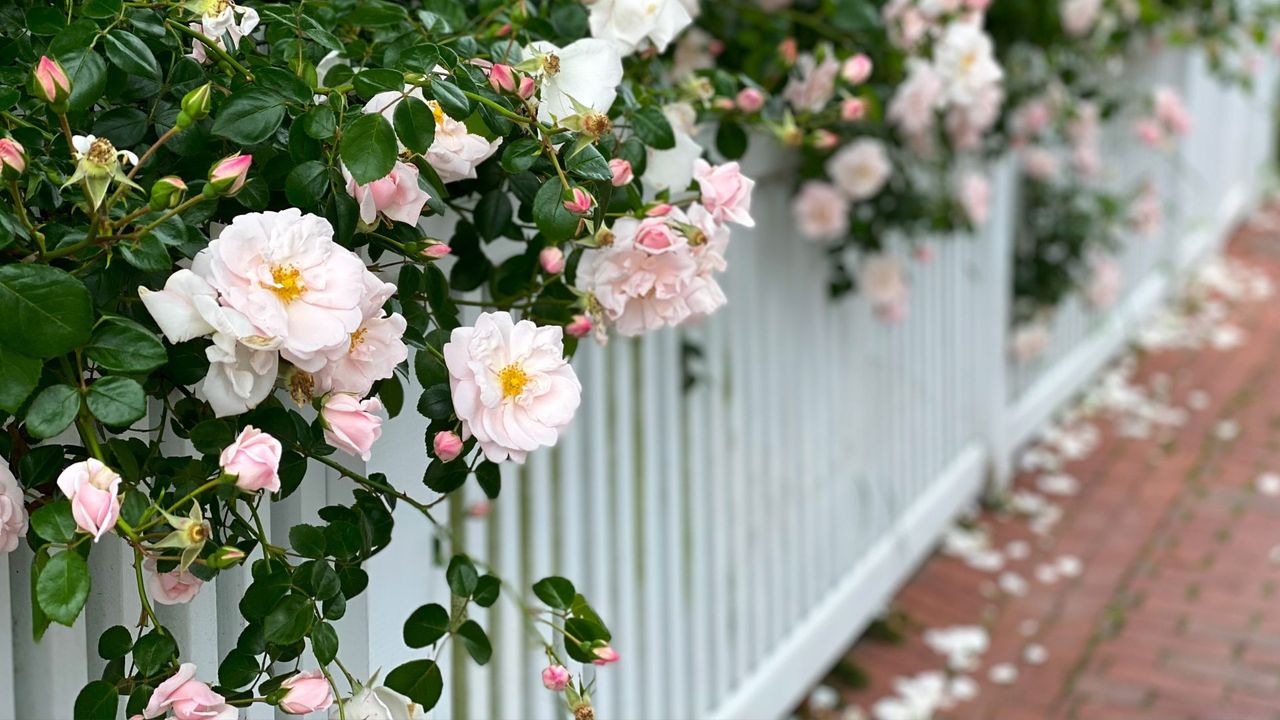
{"x": 244, "y": 227}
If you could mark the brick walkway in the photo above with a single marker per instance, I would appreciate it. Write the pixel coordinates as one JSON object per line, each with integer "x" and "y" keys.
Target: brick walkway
{"x": 1175, "y": 615}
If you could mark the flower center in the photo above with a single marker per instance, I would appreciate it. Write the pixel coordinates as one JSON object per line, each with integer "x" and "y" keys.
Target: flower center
{"x": 288, "y": 283}
{"x": 214, "y": 8}
{"x": 196, "y": 533}
{"x": 513, "y": 380}
{"x": 357, "y": 337}
{"x": 551, "y": 64}
{"x": 102, "y": 152}
{"x": 437, "y": 111}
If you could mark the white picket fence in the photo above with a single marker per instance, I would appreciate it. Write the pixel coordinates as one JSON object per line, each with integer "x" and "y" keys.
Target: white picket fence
{"x": 736, "y": 536}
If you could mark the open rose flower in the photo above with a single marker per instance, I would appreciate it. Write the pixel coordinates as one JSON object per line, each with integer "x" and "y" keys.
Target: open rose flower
{"x": 861, "y": 168}
{"x": 13, "y": 510}
{"x": 639, "y": 283}
{"x": 374, "y": 349}
{"x": 176, "y": 587}
{"x": 454, "y": 153}
{"x": 882, "y": 283}
{"x": 218, "y": 18}
{"x": 821, "y": 211}
{"x": 631, "y": 24}
{"x": 377, "y": 703}
{"x": 814, "y": 83}
{"x": 512, "y": 387}
{"x": 186, "y": 698}
{"x": 94, "y": 491}
{"x": 352, "y": 424}
{"x": 398, "y": 196}
{"x": 726, "y": 192}
{"x": 583, "y": 74}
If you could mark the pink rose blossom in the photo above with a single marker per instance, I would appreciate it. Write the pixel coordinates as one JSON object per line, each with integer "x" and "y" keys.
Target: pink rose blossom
{"x": 821, "y": 211}
{"x": 176, "y": 587}
{"x": 512, "y": 387}
{"x": 1149, "y": 132}
{"x": 750, "y": 100}
{"x": 502, "y": 78}
{"x": 856, "y": 69}
{"x": 351, "y": 424}
{"x": 1146, "y": 214}
{"x": 52, "y": 83}
{"x": 787, "y": 51}
{"x": 1080, "y": 16}
{"x": 229, "y": 174}
{"x": 1039, "y": 163}
{"x": 726, "y": 192}
{"x": 188, "y": 699}
{"x": 579, "y": 327}
{"x": 308, "y": 692}
{"x": 13, "y": 510}
{"x": 621, "y": 171}
{"x": 254, "y": 458}
{"x": 975, "y": 197}
{"x": 528, "y": 86}
{"x": 915, "y": 101}
{"x": 555, "y": 678}
{"x": 580, "y": 202}
{"x": 813, "y": 88}
{"x": 373, "y": 350}
{"x": 861, "y": 168}
{"x": 824, "y": 139}
{"x": 456, "y": 151}
{"x": 437, "y": 250}
{"x": 447, "y": 445}
{"x": 1170, "y": 110}
{"x": 853, "y": 109}
{"x": 882, "y": 283}
{"x": 397, "y": 196}
{"x": 1031, "y": 118}
{"x": 605, "y": 655}
{"x": 551, "y": 259}
{"x": 659, "y": 210}
{"x": 94, "y": 490}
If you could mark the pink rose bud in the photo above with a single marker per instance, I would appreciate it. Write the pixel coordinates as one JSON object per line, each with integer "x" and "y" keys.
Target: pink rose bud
{"x": 308, "y": 692}
{"x": 724, "y": 103}
{"x": 605, "y": 655}
{"x": 186, "y": 698}
{"x": 580, "y": 327}
{"x": 659, "y": 210}
{"x": 787, "y": 51}
{"x": 226, "y": 556}
{"x": 350, "y": 424}
{"x": 552, "y": 260}
{"x": 527, "y": 87}
{"x": 502, "y": 78}
{"x": 437, "y": 250}
{"x": 555, "y": 678}
{"x": 856, "y": 69}
{"x": 1149, "y": 132}
{"x": 94, "y": 490}
{"x": 750, "y": 100}
{"x": 479, "y": 509}
{"x": 168, "y": 192}
{"x": 825, "y": 139}
{"x": 228, "y": 175}
{"x": 853, "y": 109}
{"x": 447, "y": 445}
{"x": 51, "y": 83}
{"x": 254, "y": 460}
{"x": 580, "y": 202}
{"x": 13, "y": 159}
{"x": 715, "y": 47}
{"x": 622, "y": 173}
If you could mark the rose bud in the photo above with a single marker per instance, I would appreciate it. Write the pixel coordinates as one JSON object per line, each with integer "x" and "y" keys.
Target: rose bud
{"x": 853, "y": 109}
{"x": 659, "y": 210}
{"x": 228, "y": 175}
{"x": 502, "y": 78}
{"x": 750, "y": 100}
{"x": 195, "y": 105}
{"x": 479, "y": 510}
{"x": 437, "y": 250}
{"x": 350, "y": 424}
{"x": 580, "y": 202}
{"x": 254, "y": 460}
{"x": 552, "y": 260}
{"x": 167, "y": 192}
{"x": 94, "y": 491}
{"x": 555, "y": 678}
{"x": 225, "y": 557}
{"x": 622, "y": 172}
{"x": 787, "y": 51}
{"x": 824, "y": 139}
{"x": 527, "y": 87}
{"x": 580, "y": 327}
{"x": 13, "y": 159}
{"x": 856, "y": 69}
{"x": 447, "y": 445}
{"x": 605, "y": 655}
{"x": 308, "y": 692}
{"x": 50, "y": 83}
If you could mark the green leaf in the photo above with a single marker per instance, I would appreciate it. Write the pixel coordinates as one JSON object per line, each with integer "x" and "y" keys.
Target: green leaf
{"x": 52, "y": 411}
{"x": 123, "y": 126}
{"x": 148, "y": 253}
{"x": 452, "y": 100}
{"x": 250, "y": 116}
{"x": 418, "y": 680}
{"x": 488, "y": 588}
{"x": 306, "y": 184}
{"x": 87, "y": 72}
{"x": 372, "y": 81}
{"x": 520, "y": 155}
{"x": 117, "y": 401}
{"x": 731, "y": 140}
{"x": 415, "y": 124}
{"x": 63, "y": 587}
{"x": 489, "y": 475}
{"x": 319, "y": 122}
{"x": 492, "y": 214}
{"x": 444, "y": 477}
{"x": 426, "y": 625}
{"x": 46, "y": 311}
{"x": 324, "y": 642}
{"x": 131, "y": 55}
{"x": 19, "y": 375}
{"x": 307, "y": 540}
{"x": 289, "y": 621}
{"x": 436, "y": 402}
{"x": 556, "y": 592}
{"x": 368, "y": 148}
{"x": 461, "y": 575}
{"x": 550, "y": 215}
{"x": 476, "y": 641}
{"x": 238, "y": 669}
{"x": 122, "y": 345}
{"x": 588, "y": 163}
{"x": 101, "y": 9}
{"x": 153, "y": 651}
{"x": 54, "y": 522}
{"x": 97, "y": 701}
{"x": 653, "y": 128}
{"x": 115, "y": 642}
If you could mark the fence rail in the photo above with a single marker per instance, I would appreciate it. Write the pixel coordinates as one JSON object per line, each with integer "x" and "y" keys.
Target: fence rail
{"x": 739, "y": 533}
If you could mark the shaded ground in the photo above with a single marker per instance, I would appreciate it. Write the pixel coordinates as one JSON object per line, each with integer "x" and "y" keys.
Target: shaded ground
{"x": 1151, "y": 591}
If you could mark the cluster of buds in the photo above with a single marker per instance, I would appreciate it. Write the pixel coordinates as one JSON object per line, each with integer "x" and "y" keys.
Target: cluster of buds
{"x": 506, "y": 79}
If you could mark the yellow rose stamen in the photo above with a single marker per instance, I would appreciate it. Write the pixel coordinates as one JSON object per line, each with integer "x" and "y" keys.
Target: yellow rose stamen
{"x": 513, "y": 380}
{"x": 288, "y": 283}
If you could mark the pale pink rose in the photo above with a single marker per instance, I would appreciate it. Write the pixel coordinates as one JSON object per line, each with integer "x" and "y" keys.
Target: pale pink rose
{"x": 975, "y": 197}
{"x": 1086, "y": 161}
{"x": 176, "y": 587}
{"x": 638, "y": 290}
{"x": 1149, "y": 132}
{"x": 580, "y": 327}
{"x": 1146, "y": 214}
{"x": 186, "y": 698}
{"x": 1079, "y": 16}
{"x": 853, "y": 109}
{"x": 1104, "y": 284}
{"x": 655, "y": 235}
{"x": 726, "y": 192}
{"x": 447, "y": 445}
{"x": 710, "y": 241}
{"x": 968, "y": 123}
{"x": 285, "y": 273}
{"x": 579, "y": 202}
{"x": 965, "y": 59}
{"x": 308, "y": 692}
{"x": 824, "y": 139}
{"x": 351, "y": 424}
{"x": 551, "y": 259}
{"x": 555, "y": 677}
{"x": 254, "y": 458}
{"x": 916, "y": 100}
{"x": 693, "y": 52}
{"x": 13, "y": 510}
{"x": 605, "y": 655}
{"x": 621, "y": 171}
{"x": 437, "y": 250}
{"x": 1030, "y": 340}
{"x": 883, "y": 283}
{"x": 455, "y": 152}
{"x": 861, "y": 168}
{"x": 1039, "y": 163}
{"x": 512, "y": 387}
{"x": 856, "y": 69}
{"x": 373, "y": 351}
{"x": 787, "y": 51}
{"x": 94, "y": 490}
{"x": 815, "y": 84}
{"x": 821, "y": 211}
{"x": 1171, "y": 111}
{"x": 750, "y": 100}
{"x": 397, "y": 196}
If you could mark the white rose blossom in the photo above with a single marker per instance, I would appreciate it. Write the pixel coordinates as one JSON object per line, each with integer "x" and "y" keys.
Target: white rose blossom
{"x": 633, "y": 24}
{"x": 861, "y": 168}
{"x": 586, "y": 71}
